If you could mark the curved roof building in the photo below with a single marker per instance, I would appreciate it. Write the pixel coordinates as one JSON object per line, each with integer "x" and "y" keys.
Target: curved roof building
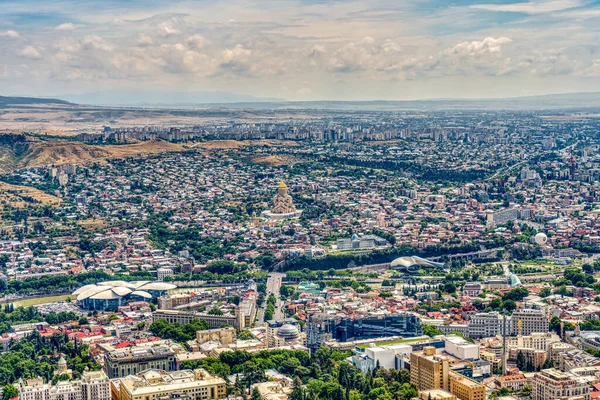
{"x": 513, "y": 280}
{"x": 288, "y": 331}
{"x": 112, "y": 294}
{"x": 413, "y": 263}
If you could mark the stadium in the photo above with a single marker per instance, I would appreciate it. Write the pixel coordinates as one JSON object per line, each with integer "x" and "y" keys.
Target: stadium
{"x": 112, "y": 294}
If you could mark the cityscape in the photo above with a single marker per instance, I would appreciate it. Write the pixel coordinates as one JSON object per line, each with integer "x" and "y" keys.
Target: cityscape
{"x": 315, "y": 200}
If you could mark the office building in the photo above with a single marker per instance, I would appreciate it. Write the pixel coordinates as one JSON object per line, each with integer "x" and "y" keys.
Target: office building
{"x": 436, "y": 394}
{"x": 458, "y": 347}
{"x": 401, "y": 324}
{"x": 528, "y": 321}
{"x": 156, "y": 384}
{"x": 93, "y": 385}
{"x": 428, "y": 370}
{"x": 550, "y": 384}
{"x": 225, "y": 335}
{"x": 485, "y": 325}
{"x": 465, "y": 388}
{"x": 130, "y": 361}
{"x": 537, "y": 341}
{"x": 389, "y": 357}
{"x": 237, "y": 320}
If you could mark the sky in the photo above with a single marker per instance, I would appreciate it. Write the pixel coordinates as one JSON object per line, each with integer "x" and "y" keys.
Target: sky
{"x": 301, "y": 49}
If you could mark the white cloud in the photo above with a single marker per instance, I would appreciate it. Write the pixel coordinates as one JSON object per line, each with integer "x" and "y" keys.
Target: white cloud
{"x": 532, "y": 7}
{"x": 478, "y": 48}
{"x": 10, "y": 34}
{"x": 178, "y": 59}
{"x": 31, "y": 53}
{"x": 144, "y": 40}
{"x": 166, "y": 30}
{"x": 365, "y": 55}
{"x": 317, "y": 50}
{"x": 67, "y": 26}
{"x": 196, "y": 42}
{"x": 93, "y": 42}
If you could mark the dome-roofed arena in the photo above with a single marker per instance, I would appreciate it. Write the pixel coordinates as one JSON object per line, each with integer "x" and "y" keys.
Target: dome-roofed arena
{"x": 110, "y": 295}
{"x": 412, "y": 264}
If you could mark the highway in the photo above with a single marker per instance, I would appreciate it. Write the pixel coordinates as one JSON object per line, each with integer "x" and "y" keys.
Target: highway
{"x": 273, "y": 285}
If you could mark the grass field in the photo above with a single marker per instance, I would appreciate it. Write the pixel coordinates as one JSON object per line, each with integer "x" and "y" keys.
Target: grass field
{"x": 397, "y": 341}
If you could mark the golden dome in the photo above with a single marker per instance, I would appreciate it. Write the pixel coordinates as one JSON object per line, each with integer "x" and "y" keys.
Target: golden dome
{"x": 282, "y": 185}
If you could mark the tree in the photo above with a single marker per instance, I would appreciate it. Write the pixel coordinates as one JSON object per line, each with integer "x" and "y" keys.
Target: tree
{"x": 9, "y": 391}
{"x": 555, "y": 325}
{"x": 215, "y": 311}
{"x": 509, "y": 305}
{"x": 297, "y": 390}
{"x": 516, "y": 294}
{"x": 255, "y": 394}
{"x": 562, "y": 290}
{"x": 431, "y": 330}
{"x": 407, "y": 392}
{"x": 521, "y": 361}
{"x": 496, "y": 304}
{"x": 545, "y": 292}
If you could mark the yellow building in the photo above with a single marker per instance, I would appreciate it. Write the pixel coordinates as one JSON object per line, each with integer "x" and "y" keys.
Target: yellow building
{"x": 465, "y": 388}
{"x": 436, "y": 394}
{"x": 225, "y": 335}
{"x": 429, "y": 370}
{"x": 153, "y": 384}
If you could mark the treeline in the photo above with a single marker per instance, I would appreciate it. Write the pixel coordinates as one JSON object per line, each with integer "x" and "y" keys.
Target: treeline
{"x": 25, "y": 315}
{"x": 323, "y": 376}
{"x": 340, "y": 261}
{"x": 64, "y": 283}
{"x": 38, "y": 356}
{"x": 420, "y": 171}
{"x": 177, "y": 331}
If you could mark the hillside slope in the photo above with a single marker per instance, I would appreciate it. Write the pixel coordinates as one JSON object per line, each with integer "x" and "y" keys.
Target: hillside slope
{"x": 64, "y": 152}
{"x": 14, "y": 101}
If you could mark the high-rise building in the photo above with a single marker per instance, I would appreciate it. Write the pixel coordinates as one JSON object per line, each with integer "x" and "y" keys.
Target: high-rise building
{"x": 551, "y": 384}
{"x": 93, "y": 385}
{"x": 528, "y": 321}
{"x": 522, "y": 322}
{"x": 155, "y": 384}
{"x": 428, "y": 370}
{"x": 465, "y": 388}
{"x": 484, "y": 325}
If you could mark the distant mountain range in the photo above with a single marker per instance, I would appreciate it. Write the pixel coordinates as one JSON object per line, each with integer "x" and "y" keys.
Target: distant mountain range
{"x": 586, "y": 100}
{"x": 145, "y": 98}
{"x": 4, "y": 100}
{"x": 223, "y": 100}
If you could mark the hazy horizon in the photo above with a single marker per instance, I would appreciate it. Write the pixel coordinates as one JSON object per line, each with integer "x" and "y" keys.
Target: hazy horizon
{"x": 301, "y": 50}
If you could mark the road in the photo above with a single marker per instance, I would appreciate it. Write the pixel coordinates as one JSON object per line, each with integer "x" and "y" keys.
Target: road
{"x": 273, "y": 286}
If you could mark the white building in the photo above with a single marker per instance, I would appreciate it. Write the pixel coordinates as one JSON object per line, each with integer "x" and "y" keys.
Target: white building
{"x": 94, "y": 385}
{"x": 384, "y": 356}
{"x": 460, "y": 348}
{"x": 550, "y": 384}
{"x": 161, "y": 273}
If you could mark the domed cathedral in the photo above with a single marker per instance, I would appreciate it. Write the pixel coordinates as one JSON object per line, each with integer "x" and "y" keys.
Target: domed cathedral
{"x": 283, "y": 205}
{"x": 282, "y": 202}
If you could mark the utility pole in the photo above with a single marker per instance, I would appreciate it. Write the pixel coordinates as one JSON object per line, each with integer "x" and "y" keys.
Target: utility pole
{"x": 504, "y": 343}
